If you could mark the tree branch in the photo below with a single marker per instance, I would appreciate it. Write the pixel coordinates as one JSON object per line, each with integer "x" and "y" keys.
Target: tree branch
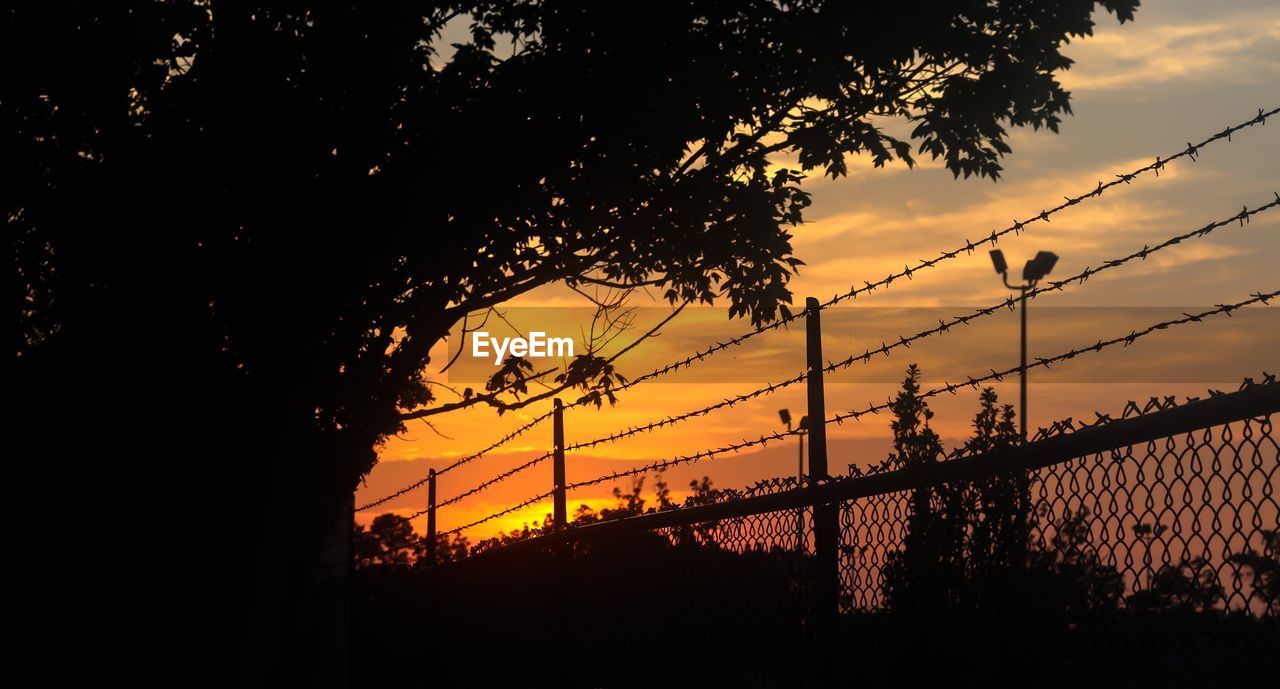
{"x": 492, "y": 400}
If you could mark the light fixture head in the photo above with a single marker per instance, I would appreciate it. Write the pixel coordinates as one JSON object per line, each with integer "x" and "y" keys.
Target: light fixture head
{"x": 1039, "y": 266}
{"x": 997, "y": 259}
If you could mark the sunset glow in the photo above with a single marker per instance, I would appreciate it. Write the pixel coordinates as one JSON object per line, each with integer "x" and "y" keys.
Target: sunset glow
{"x": 1134, "y": 100}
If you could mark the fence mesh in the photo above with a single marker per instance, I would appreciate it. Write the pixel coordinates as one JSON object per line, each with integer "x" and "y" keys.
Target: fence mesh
{"x": 1174, "y": 518}
{"x": 1172, "y": 521}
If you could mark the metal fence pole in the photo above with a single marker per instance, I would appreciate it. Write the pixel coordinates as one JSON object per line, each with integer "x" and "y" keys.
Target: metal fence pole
{"x": 431, "y": 518}
{"x": 561, "y": 549}
{"x": 560, "y": 511}
{"x": 826, "y": 527}
{"x": 817, "y": 401}
{"x": 1022, "y": 377}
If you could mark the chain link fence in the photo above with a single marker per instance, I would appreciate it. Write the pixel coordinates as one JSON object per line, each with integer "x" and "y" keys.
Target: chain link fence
{"x": 1182, "y": 519}
{"x": 1141, "y": 549}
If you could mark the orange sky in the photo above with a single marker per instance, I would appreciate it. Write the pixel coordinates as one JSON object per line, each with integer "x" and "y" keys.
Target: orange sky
{"x": 1182, "y": 71}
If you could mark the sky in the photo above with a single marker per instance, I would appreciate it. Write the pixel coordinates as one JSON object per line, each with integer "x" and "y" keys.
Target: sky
{"x": 1185, "y": 69}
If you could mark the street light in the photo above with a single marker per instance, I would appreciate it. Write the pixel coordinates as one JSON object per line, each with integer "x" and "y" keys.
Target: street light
{"x": 803, "y": 427}
{"x": 1033, "y": 272}
{"x": 785, "y": 415}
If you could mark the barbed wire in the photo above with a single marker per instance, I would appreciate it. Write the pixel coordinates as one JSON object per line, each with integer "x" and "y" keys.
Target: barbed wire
{"x": 1190, "y": 152}
{"x": 460, "y": 462}
{"x": 496, "y": 479}
{"x": 1056, "y": 285}
{"x": 971, "y": 382}
{"x": 1130, "y": 410}
{"x": 903, "y": 341}
{"x": 514, "y": 508}
{"x": 1059, "y": 428}
{"x": 839, "y": 419}
{"x": 671, "y": 420}
{"x": 1046, "y": 362}
{"x": 1069, "y": 425}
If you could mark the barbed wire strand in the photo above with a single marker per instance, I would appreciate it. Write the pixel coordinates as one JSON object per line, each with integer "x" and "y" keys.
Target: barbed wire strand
{"x": 514, "y": 508}
{"x": 469, "y": 458}
{"x": 839, "y": 419}
{"x": 496, "y": 479}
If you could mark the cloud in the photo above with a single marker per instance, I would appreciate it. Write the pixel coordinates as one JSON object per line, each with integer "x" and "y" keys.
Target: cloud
{"x": 888, "y": 236}
{"x": 1240, "y": 48}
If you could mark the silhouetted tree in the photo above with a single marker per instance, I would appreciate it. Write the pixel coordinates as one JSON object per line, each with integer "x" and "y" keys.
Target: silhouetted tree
{"x": 630, "y": 503}
{"x": 703, "y": 492}
{"x": 995, "y": 509}
{"x": 966, "y": 546}
{"x": 448, "y": 549}
{"x": 1066, "y": 572}
{"x": 249, "y": 223}
{"x": 366, "y": 547}
{"x": 1191, "y": 585}
{"x": 395, "y": 537}
{"x": 585, "y": 515}
{"x": 391, "y": 542}
{"x": 1264, "y": 570}
{"x": 928, "y": 571}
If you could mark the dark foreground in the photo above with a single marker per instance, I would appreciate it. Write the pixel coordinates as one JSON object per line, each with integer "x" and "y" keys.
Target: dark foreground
{"x": 642, "y": 613}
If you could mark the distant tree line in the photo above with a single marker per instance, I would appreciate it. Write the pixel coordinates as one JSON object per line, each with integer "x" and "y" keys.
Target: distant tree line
{"x": 390, "y": 540}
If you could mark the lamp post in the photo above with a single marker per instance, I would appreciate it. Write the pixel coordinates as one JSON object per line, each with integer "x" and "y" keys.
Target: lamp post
{"x": 785, "y": 415}
{"x": 1033, "y": 272}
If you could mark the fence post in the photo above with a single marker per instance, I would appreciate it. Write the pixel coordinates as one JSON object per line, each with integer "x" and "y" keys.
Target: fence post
{"x": 826, "y": 526}
{"x": 560, "y": 512}
{"x": 817, "y": 402}
{"x": 431, "y": 518}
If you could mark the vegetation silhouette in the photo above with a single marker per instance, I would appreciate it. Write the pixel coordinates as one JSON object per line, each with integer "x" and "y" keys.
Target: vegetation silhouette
{"x": 680, "y": 601}
{"x": 236, "y": 230}
{"x": 391, "y": 542}
{"x": 925, "y": 574}
{"x": 1006, "y": 606}
{"x": 968, "y": 593}
{"x": 1264, "y": 572}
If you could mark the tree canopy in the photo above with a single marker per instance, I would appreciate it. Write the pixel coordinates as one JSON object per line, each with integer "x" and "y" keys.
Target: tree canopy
{"x": 317, "y": 195}
{"x": 237, "y": 229}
